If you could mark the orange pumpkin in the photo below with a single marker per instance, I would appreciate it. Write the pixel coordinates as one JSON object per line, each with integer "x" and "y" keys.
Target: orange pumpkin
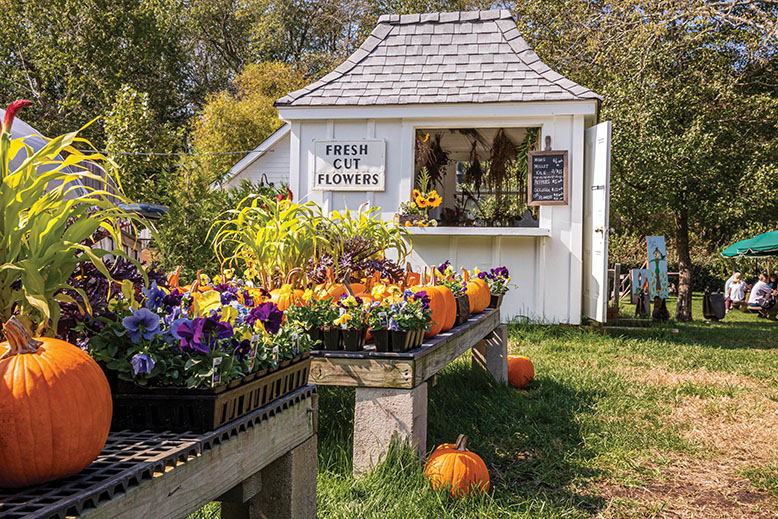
{"x": 478, "y": 293}
{"x": 451, "y": 308}
{"x": 55, "y": 409}
{"x": 457, "y": 469}
{"x": 439, "y": 309}
{"x": 286, "y": 296}
{"x": 520, "y": 371}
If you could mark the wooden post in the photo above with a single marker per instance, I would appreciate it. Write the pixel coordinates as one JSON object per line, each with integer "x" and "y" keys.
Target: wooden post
{"x": 616, "y": 284}
{"x": 491, "y": 354}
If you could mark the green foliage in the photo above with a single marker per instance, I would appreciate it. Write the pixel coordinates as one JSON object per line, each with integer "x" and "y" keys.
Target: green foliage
{"x": 183, "y": 232}
{"x": 132, "y": 127}
{"x": 46, "y": 230}
{"x": 241, "y": 120}
{"x": 266, "y": 238}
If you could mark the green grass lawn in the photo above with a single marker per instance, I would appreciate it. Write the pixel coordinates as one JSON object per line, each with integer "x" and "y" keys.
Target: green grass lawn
{"x": 646, "y": 424}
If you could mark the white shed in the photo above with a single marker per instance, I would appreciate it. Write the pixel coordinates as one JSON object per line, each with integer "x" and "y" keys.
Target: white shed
{"x": 269, "y": 162}
{"x": 461, "y": 77}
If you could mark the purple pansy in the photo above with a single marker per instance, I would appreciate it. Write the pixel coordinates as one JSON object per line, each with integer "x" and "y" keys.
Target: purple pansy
{"x": 248, "y": 301}
{"x": 142, "y": 363}
{"x": 155, "y": 296}
{"x": 268, "y": 314}
{"x": 142, "y": 323}
{"x": 173, "y": 299}
{"x": 202, "y": 333}
{"x": 500, "y": 272}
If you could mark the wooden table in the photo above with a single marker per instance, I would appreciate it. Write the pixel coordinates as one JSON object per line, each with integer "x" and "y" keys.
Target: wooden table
{"x": 391, "y": 388}
{"x": 261, "y": 466}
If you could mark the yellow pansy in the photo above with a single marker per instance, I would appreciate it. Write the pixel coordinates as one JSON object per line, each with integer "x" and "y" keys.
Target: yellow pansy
{"x": 204, "y": 279}
{"x": 378, "y": 292}
{"x": 259, "y": 327}
{"x": 307, "y": 295}
{"x": 228, "y": 274}
{"x": 343, "y": 319}
{"x": 476, "y": 271}
{"x": 229, "y": 314}
{"x": 210, "y": 300}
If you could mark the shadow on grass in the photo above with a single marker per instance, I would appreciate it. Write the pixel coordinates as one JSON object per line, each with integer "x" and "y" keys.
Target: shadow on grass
{"x": 529, "y": 439}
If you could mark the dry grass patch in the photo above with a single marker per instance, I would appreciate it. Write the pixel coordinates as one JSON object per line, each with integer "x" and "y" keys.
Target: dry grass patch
{"x": 734, "y": 419}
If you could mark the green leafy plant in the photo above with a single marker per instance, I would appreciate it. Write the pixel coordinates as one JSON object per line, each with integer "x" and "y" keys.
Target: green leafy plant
{"x": 45, "y": 230}
{"x": 268, "y": 237}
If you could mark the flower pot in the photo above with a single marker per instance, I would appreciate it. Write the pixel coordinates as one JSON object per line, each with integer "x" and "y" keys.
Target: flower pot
{"x": 315, "y": 335}
{"x": 463, "y": 309}
{"x": 401, "y": 340}
{"x": 331, "y": 339}
{"x": 354, "y": 338}
{"x": 381, "y": 338}
{"x": 419, "y": 339}
{"x": 401, "y": 219}
{"x": 496, "y": 300}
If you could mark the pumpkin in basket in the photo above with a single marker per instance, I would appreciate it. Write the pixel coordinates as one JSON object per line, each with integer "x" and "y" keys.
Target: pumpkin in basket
{"x": 55, "y": 409}
{"x": 457, "y": 469}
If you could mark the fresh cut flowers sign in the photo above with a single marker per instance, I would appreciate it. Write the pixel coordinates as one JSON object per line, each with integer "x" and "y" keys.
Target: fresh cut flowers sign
{"x": 357, "y": 165}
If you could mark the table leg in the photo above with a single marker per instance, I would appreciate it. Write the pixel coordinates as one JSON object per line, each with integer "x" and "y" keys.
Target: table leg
{"x": 384, "y": 415}
{"x": 491, "y": 354}
{"x": 288, "y": 488}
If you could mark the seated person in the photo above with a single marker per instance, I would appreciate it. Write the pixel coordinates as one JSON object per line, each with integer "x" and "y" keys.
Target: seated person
{"x": 760, "y": 289}
{"x": 773, "y": 281}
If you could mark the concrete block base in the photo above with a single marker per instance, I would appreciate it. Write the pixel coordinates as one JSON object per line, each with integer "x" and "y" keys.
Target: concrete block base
{"x": 491, "y": 354}
{"x": 288, "y": 488}
{"x": 383, "y": 416}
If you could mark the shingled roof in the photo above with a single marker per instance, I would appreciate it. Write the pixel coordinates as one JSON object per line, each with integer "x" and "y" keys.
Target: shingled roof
{"x": 464, "y": 57}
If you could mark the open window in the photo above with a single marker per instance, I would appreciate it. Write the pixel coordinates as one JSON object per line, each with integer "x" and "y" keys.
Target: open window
{"x": 480, "y": 173}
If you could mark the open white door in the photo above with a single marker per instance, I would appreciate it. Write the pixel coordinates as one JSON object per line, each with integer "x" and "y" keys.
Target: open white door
{"x": 597, "y": 172}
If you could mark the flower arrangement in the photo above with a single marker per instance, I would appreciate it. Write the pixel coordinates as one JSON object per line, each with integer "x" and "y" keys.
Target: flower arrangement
{"x": 203, "y": 338}
{"x": 424, "y": 199}
{"x": 407, "y": 311}
{"x": 451, "y": 279}
{"x": 498, "y": 280}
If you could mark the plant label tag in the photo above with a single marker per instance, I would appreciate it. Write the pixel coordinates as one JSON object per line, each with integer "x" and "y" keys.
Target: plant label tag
{"x": 275, "y": 353}
{"x": 216, "y": 377}
{"x": 253, "y": 351}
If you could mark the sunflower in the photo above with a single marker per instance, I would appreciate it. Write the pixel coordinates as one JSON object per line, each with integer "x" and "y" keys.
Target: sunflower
{"x": 433, "y": 199}
{"x": 421, "y": 202}
{"x": 416, "y": 194}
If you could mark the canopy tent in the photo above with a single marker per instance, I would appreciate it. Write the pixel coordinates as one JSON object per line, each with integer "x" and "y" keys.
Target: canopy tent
{"x": 759, "y": 246}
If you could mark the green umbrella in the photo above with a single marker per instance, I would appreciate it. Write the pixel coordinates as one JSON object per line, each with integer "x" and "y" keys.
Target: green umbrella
{"x": 759, "y": 246}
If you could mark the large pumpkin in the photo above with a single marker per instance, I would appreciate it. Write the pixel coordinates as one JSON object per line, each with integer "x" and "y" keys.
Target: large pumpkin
{"x": 457, "y": 469}
{"x": 478, "y": 293}
{"x": 451, "y": 305}
{"x": 438, "y": 306}
{"x": 286, "y": 296}
{"x": 520, "y": 371}
{"x": 55, "y": 409}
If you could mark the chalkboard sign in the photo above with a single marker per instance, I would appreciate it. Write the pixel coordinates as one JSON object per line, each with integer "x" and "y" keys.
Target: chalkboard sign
{"x": 547, "y": 179}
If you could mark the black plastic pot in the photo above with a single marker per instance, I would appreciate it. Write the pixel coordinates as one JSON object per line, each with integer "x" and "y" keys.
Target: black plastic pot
{"x": 381, "y": 339}
{"x": 496, "y": 300}
{"x": 331, "y": 339}
{"x": 463, "y": 309}
{"x": 354, "y": 338}
{"x": 401, "y": 340}
{"x": 316, "y": 337}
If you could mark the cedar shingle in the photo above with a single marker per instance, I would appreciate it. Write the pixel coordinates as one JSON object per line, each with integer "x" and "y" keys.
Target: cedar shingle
{"x": 475, "y": 56}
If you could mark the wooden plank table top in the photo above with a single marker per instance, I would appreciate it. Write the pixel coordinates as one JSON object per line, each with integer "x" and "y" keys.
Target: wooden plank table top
{"x": 404, "y": 370}
{"x": 147, "y": 474}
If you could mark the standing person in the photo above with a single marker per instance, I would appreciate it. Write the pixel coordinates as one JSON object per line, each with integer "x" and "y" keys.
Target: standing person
{"x": 758, "y": 291}
{"x": 727, "y": 283}
{"x": 736, "y": 292}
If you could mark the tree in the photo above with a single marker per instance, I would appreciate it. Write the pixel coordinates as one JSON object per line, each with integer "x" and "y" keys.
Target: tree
{"x": 240, "y": 120}
{"x": 132, "y": 129}
{"x": 690, "y": 89}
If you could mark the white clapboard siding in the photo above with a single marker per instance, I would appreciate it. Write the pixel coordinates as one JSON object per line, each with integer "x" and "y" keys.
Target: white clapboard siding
{"x": 271, "y": 159}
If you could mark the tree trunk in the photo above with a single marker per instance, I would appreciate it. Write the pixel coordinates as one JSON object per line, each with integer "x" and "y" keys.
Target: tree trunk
{"x": 683, "y": 311}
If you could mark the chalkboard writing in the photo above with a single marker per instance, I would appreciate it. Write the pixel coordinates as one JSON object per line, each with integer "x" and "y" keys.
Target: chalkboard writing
{"x": 547, "y": 178}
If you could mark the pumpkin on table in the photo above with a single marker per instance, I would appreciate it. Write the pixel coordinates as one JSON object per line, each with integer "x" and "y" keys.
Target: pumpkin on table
{"x": 520, "y": 371}
{"x": 451, "y": 304}
{"x": 287, "y": 295}
{"x": 55, "y": 409}
{"x": 456, "y": 469}
{"x": 478, "y": 293}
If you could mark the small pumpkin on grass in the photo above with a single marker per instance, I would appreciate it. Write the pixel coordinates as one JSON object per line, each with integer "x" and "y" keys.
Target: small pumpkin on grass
{"x": 55, "y": 408}
{"x": 520, "y": 371}
{"x": 456, "y": 469}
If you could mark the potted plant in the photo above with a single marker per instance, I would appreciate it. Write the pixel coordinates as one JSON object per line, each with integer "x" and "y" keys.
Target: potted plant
{"x": 352, "y": 321}
{"x": 455, "y": 282}
{"x": 399, "y": 321}
{"x": 313, "y": 318}
{"x": 497, "y": 279}
{"x": 416, "y": 212}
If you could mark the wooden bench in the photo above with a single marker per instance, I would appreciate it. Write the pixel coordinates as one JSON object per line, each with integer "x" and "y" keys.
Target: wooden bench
{"x": 263, "y": 465}
{"x": 391, "y": 388}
